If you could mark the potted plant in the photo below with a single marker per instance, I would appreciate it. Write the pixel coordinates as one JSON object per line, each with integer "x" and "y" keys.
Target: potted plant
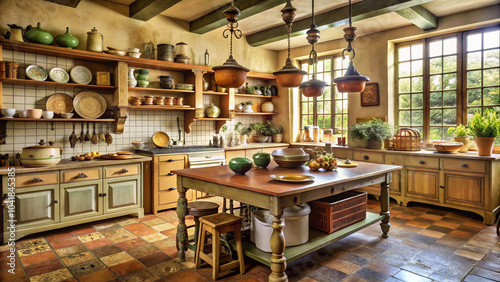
{"x": 243, "y": 131}
{"x": 277, "y": 134}
{"x": 486, "y": 129}
{"x": 358, "y": 135}
{"x": 247, "y": 106}
{"x": 262, "y": 131}
{"x": 461, "y": 134}
{"x": 378, "y": 130}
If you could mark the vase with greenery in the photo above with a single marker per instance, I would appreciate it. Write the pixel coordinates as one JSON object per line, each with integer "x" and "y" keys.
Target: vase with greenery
{"x": 243, "y": 131}
{"x": 370, "y": 134}
{"x": 461, "y": 134}
{"x": 358, "y": 135}
{"x": 486, "y": 129}
{"x": 247, "y": 106}
{"x": 262, "y": 131}
{"x": 277, "y": 134}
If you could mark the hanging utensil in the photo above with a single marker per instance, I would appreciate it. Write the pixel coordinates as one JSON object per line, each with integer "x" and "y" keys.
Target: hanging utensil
{"x": 102, "y": 137}
{"x": 109, "y": 138}
{"x": 73, "y": 138}
{"x": 180, "y": 142}
{"x": 82, "y": 135}
{"x": 87, "y": 135}
{"x": 94, "y": 139}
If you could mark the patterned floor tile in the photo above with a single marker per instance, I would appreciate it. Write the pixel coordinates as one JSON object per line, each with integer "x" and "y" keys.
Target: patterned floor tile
{"x": 130, "y": 244}
{"x": 90, "y": 237}
{"x": 168, "y": 267}
{"x": 164, "y": 226}
{"x": 98, "y": 243}
{"x": 155, "y": 221}
{"x": 145, "y": 275}
{"x": 116, "y": 259}
{"x": 165, "y": 244}
{"x": 104, "y": 225}
{"x": 64, "y": 252}
{"x": 123, "y": 221}
{"x": 154, "y": 259}
{"x": 57, "y": 275}
{"x": 78, "y": 258}
{"x": 143, "y": 251}
{"x": 30, "y": 243}
{"x": 33, "y": 249}
{"x": 125, "y": 268}
{"x": 86, "y": 267}
{"x": 106, "y": 251}
{"x": 118, "y": 235}
{"x": 154, "y": 237}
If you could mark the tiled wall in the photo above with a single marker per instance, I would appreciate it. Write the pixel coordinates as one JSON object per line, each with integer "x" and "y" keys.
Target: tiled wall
{"x": 140, "y": 125}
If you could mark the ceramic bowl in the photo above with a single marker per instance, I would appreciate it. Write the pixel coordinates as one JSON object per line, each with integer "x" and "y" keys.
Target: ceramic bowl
{"x": 8, "y": 113}
{"x": 240, "y": 165}
{"x": 48, "y": 114}
{"x": 290, "y": 158}
{"x": 67, "y": 115}
{"x": 138, "y": 145}
{"x": 448, "y": 147}
{"x": 34, "y": 113}
{"x": 133, "y": 50}
{"x": 134, "y": 54}
{"x": 22, "y": 114}
{"x": 261, "y": 159}
{"x": 184, "y": 86}
{"x": 261, "y": 139}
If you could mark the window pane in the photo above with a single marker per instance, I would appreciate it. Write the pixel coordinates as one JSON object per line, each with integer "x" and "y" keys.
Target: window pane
{"x": 474, "y": 78}
{"x": 474, "y": 97}
{"x": 417, "y": 101}
{"x": 338, "y": 63}
{"x": 417, "y": 84}
{"x": 491, "y": 58}
{"x": 338, "y": 121}
{"x": 404, "y": 101}
{"x": 328, "y": 65}
{"x": 417, "y": 118}
{"x": 436, "y": 99}
{"x": 345, "y": 103}
{"x": 404, "y": 69}
{"x": 491, "y": 96}
{"x": 320, "y": 107}
{"x": 328, "y": 121}
{"x": 320, "y": 122}
{"x": 450, "y": 64}
{"x": 435, "y": 81}
{"x": 404, "y": 118}
{"x": 474, "y": 42}
{"x": 338, "y": 106}
{"x": 404, "y": 85}
{"x": 436, "y": 48}
{"x": 403, "y": 54}
{"x": 319, "y": 67}
{"x": 450, "y": 46}
{"x": 304, "y": 108}
{"x": 327, "y": 95}
{"x": 436, "y": 65}
{"x": 436, "y": 133}
{"x": 492, "y": 39}
{"x": 416, "y": 67}
{"x": 338, "y": 95}
{"x": 450, "y": 116}
{"x": 328, "y": 107}
{"x": 436, "y": 117}
{"x": 450, "y": 99}
{"x": 474, "y": 60}
{"x": 491, "y": 77}
{"x": 450, "y": 81}
{"x": 417, "y": 51}
{"x": 304, "y": 120}
{"x": 446, "y": 135}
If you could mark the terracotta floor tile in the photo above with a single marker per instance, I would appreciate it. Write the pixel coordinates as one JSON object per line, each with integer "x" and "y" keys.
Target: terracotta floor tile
{"x": 418, "y": 224}
{"x": 116, "y": 259}
{"x": 154, "y": 259}
{"x": 431, "y": 216}
{"x": 164, "y": 226}
{"x": 171, "y": 233}
{"x": 439, "y": 229}
{"x": 106, "y": 251}
{"x": 381, "y": 267}
{"x": 98, "y": 243}
{"x": 370, "y": 275}
{"x": 17, "y": 276}
{"x": 430, "y": 233}
{"x": 156, "y": 221}
{"x": 154, "y": 237}
{"x": 141, "y": 275}
{"x": 127, "y": 267}
{"x": 98, "y": 276}
{"x": 56, "y": 275}
{"x": 126, "y": 220}
{"x": 475, "y": 223}
{"x": 90, "y": 237}
{"x": 146, "y": 217}
{"x": 64, "y": 252}
{"x": 463, "y": 234}
{"x": 144, "y": 231}
{"x": 83, "y": 230}
{"x": 133, "y": 243}
{"x": 44, "y": 267}
{"x": 65, "y": 243}
{"x": 405, "y": 216}
{"x": 38, "y": 258}
{"x": 104, "y": 225}
{"x": 186, "y": 275}
{"x": 446, "y": 224}
{"x": 55, "y": 236}
{"x": 87, "y": 267}
{"x": 78, "y": 258}
{"x": 135, "y": 226}
{"x": 143, "y": 251}
{"x": 469, "y": 254}
{"x": 342, "y": 265}
{"x": 35, "y": 249}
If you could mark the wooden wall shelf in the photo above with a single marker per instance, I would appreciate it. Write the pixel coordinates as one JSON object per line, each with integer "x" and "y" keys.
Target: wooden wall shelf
{"x": 137, "y": 89}
{"x": 254, "y": 96}
{"x": 56, "y": 84}
{"x": 214, "y": 93}
{"x": 160, "y": 107}
{"x": 59, "y": 119}
{"x": 255, "y": 114}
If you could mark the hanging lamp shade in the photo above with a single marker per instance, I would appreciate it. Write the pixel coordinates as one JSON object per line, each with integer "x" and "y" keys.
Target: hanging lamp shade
{"x": 352, "y": 81}
{"x": 313, "y": 88}
{"x": 231, "y": 74}
{"x": 289, "y": 75}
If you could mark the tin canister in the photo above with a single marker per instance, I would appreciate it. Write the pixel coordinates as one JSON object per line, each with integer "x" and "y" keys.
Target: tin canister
{"x": 165, "y": 52}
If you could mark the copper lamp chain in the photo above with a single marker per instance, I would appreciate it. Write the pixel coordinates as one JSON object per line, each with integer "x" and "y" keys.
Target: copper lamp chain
{"x": 289, "y": 29}
{"x": 233, "y": 30}
{"x": 313, "y": 56}
{"x": 349, "y": 39}
{"x": 350, "y": 14}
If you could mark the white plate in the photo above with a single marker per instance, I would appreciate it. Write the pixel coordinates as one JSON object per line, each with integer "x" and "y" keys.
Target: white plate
{"x": 81, "y": 75}
{"x": 59, "y": 75}
{"x": 36, "y": 73}
{"x": 292, "y": 177}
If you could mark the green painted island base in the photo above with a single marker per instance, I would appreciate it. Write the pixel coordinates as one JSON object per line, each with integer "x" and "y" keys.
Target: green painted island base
{"x": 317, "y": 240}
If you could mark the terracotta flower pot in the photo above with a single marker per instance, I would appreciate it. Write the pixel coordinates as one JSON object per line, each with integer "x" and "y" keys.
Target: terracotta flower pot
{"x": 465, "y": 142}
{"x": 485, "y": 145}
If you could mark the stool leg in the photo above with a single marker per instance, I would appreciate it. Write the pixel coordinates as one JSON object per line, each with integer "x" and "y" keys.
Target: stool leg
{"x": 196, "y": 229}
{"x": 216, "y": 254}
{"x": 231, "y": 207}
{"x": 199, "y": 246}
{"x": 239, "y": 248}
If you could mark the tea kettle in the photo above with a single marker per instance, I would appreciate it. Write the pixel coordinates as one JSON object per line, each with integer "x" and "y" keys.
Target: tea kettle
{"x": 94, "y": 41}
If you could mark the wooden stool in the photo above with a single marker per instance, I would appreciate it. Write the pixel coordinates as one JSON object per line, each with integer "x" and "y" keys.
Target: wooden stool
{"x": 197, "y": 210}
{"x": 217, "y": 224}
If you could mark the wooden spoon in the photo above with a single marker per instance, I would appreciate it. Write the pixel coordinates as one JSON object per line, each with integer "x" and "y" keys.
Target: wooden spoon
{"x": 109, "y": 138}
{"x": 87, "y": 135}
{"x": 73, "y": 138}
{"x": 82, "y": 135}
{"x": 94, "y": 137}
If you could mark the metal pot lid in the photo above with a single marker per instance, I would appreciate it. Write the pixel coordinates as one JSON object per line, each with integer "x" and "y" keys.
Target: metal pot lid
{"x": 313, "y": 83}
{"x": 231, "y": 63}
{"x": 41, "y": 145}
{"x": 94, "y": 30}
{"x": 351, "y": 74}
{"x": 289, "y": 68}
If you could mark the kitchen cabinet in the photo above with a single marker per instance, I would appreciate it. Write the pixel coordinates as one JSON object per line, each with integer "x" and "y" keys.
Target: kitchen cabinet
{"x": 422, "y": 184}
{"x": 57, "y": 198}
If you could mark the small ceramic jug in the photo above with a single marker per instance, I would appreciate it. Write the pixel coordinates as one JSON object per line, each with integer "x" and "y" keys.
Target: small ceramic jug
{"x": 142, "y": 78}
{"x": 67, "y": 40}
{"x": 166, "y": 81}
{"x": 149, "y": 100}
{"x": 132, "y": 82}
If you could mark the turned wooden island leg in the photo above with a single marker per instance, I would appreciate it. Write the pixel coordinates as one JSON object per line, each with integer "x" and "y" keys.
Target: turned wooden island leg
{"x": 182, "y": 236}
{"x": 278, "y": 260}
{"x": 384, "y": 207}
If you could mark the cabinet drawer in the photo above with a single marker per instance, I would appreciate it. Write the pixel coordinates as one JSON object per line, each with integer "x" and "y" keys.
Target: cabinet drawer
{"x": 168, "y": 182}
{"x": 465, "y": 165}
{"x": 36, "y": 179}
{"x": 171, "y": 158}
{"x": 394, "y": 159}
{"x": 372, "y": 157}
{"x": 167, "y": 197}
{"x": 164, "y": 168}
{"x": 123, "y": 170}
{"x": 81, "y": 175}
{"x": 424, "y": 162}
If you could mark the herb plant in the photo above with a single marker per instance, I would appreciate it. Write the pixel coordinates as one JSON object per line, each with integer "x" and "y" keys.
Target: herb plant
{"x": 485, "y": 126}
{"x": 459, "y": 131}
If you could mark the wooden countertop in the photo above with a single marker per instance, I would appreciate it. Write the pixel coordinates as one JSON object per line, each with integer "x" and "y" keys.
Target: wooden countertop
{"x": 256, "y": 146}
{"x": 69, "y": 164}
{"x": 424, "y": 153}
{"x": 259, "y": 180}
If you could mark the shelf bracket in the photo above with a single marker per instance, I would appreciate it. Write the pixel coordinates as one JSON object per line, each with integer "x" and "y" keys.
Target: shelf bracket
{"x": 3, "y": 132}
{"x": 121, "y": 115}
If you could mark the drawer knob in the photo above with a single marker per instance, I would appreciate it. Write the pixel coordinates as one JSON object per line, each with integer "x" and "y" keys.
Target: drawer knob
{"x": 170, "y": 160}
{"x": 170, "y": 174}
{"x": 56, "y": 201}
{"x": 104, "y": 194}
{"x": 464, "y": 165}
{"x": 421, "y": 162}
{"x": 35, "y": 180}
{"x": 171, "y": 188}
{"x": 81, "y": 175}
{"x": 100, "y": 195}
{"x": 441, "y": 186}
{"x": 366, "y": 157}
{"x": 123, "y": 170}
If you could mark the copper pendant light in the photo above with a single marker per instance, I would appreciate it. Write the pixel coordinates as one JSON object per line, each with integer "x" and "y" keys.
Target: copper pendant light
{"x": 352, "y": 81}
{"x": 313, "y": 87}
{"x": 289, "y": 75}
{"x": 231, "y": 74}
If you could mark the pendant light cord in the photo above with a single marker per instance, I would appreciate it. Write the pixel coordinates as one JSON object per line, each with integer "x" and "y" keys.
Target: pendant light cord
{"x": 350, "y": 14}
{"x": 289, "y": 29}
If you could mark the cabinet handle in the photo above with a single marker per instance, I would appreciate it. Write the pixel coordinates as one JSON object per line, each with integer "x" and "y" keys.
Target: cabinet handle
{"x": 56, "y": 201}
{"x": 35, "y": 180}
{"x": 441, "y": 186}
{"x": 170, "y": 160}
{"x": 100, "y": 195}
{"x": 171, "y": 188}
{"x": 464, "y": 165}
{"x": 81, "y": 175}
{"x": 170, "y": 174}
{"x": 123, "y": 170}
{"x": 366, "y": 158}
{"x": 104, "y": 194}
{"x": 421, "y": 162}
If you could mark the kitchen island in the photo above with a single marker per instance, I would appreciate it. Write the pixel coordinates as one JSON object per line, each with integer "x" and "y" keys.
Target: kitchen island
{"x": 256, "y": 188}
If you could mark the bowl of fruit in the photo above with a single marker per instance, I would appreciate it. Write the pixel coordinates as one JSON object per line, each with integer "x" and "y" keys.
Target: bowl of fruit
{"x": 326, "y": 162}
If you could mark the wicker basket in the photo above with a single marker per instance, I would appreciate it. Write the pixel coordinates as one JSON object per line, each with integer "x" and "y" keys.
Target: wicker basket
{"x": 11, "y": 70}
{"x": 407, "y": 139}
{"x": 336, "y": 212}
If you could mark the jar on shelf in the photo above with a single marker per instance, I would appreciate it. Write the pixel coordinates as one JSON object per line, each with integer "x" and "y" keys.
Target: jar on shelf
{"x": 179, "y": 101}
{"x": 143, "y": 78}
{"x": 169, "y": 101}
{"x": 149, "y": 100}
{"x": 328, "y": 135}
{"x": 166, "y": 82}
{"x": 160, "y": 101}
{"x": 315, "y": 130}
{"x": 307, "y": 134}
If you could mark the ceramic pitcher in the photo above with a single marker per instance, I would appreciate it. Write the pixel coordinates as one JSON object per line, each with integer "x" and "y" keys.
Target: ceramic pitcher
{"x": 132, "y": 82}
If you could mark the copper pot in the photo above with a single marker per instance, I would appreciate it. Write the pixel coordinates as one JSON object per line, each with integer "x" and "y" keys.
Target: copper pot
{"x": 160, "y": 101}
{"x": 169, "y": 101}
{"x": 178, "y": 101}
{"x": 149, "y": 100}
{"x": 136, "y": 101}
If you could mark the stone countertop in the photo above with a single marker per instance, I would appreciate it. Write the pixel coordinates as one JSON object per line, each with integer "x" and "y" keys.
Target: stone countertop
{"x": 423, "y": 152}
{"x": 69, "y": 164}
{"x": 256, "y": 146}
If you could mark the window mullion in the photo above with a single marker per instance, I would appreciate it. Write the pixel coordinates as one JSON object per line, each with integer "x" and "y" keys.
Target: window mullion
{"x": 426, "y": 93}
{"x": 462, "y": 75}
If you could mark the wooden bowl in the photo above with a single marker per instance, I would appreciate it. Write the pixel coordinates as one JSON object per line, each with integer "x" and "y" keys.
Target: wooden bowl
{"x": 161, "y": 139}
{"x": 448, "y": 147}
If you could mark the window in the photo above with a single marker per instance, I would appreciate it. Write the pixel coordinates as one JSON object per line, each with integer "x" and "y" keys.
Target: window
{"x": 331, "y": 110}
{"x": 443, "y": 81}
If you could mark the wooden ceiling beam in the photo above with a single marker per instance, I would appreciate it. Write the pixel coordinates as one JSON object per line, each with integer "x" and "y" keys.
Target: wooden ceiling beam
{"x": 69, "y": 3}
{"x": 146, "y": 9}
{"x": 216, "y": 19}
{"x": 360, "y": 11}
{"x": 420, "y": 17}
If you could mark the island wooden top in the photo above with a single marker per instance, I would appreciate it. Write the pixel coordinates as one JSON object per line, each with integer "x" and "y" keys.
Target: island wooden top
{"x": 259, "y": 180}
{"x": 69, "y": 164}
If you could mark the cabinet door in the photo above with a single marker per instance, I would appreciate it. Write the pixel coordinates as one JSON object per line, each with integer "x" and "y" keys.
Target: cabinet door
{"x": 231, "y": 154}
{"x": 465, "y": 189}
{"x": 423, "y": 184}
{"x": 36, "y": 206}
{"x": 396, "y": 176}
{"x": 122, "y": 193}
{"x": 81, "y": 200}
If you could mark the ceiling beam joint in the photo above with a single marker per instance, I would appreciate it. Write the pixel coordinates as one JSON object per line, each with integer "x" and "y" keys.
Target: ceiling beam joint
{"x": 420, "y": 17}
{"x": 144, "y": 10}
